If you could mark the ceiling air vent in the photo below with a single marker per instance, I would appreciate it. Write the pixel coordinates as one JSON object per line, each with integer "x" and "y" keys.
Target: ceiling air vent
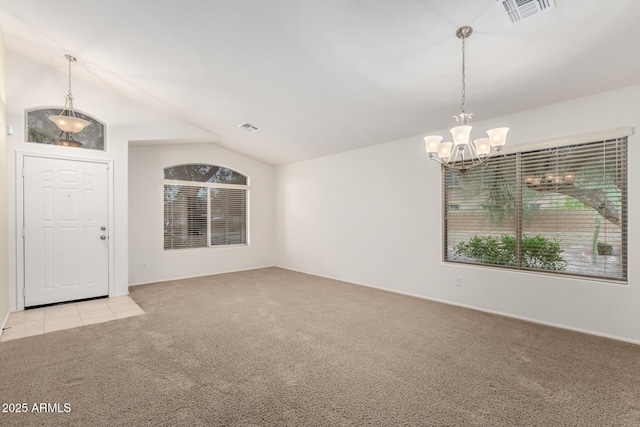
{"x": 249, "y": 127}
{"x": 515, "y": 11}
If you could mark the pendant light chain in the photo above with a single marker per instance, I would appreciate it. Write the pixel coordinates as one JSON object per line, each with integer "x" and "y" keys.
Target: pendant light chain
{"x": 70, "y": 94}
{"x": 464, "y": 94}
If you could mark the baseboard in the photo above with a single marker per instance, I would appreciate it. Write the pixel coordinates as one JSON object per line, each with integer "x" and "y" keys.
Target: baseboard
{"x": 499, "y": 313}
{"x": 121, "y": 294}
{"x": 4, "y": 322}
{"x": 199, "y": 275}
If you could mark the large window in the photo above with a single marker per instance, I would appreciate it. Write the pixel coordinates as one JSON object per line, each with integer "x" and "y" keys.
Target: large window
{"x": 561, "y": 209}
{"x": 204, "y": 206}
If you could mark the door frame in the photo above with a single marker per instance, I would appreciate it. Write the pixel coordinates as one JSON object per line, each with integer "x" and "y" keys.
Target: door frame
{"x": 18, "y": 289}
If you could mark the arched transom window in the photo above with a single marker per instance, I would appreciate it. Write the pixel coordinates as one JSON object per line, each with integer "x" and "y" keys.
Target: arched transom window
{"x": 204, "y": 206}
{"x": 41, "y": 130}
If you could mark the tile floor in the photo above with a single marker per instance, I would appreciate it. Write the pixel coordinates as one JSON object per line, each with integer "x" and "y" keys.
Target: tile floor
{"x": 48, "y": 319}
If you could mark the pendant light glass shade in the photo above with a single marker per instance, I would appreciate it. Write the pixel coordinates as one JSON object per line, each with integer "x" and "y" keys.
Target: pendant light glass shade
{"x": 461, "y": 135}
{"x": 432, "y": 143}
{"x": 444, "y": 152}
{"x": 69, "y": 123}
{"x": 498, "y": 137}
{"x": 483, "y": 147}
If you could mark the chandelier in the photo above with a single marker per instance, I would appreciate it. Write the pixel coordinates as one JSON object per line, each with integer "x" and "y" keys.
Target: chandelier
{"x": 67, "y": 121}
{"x": 462, "y": 154}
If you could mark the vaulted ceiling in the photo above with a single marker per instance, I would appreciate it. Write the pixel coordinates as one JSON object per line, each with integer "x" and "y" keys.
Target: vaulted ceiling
{"x": 321, "y": 77}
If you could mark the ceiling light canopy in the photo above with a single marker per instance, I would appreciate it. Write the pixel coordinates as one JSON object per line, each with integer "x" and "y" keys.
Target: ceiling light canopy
{"x": 462, "y": 153}
{"x": 67, "y": 120}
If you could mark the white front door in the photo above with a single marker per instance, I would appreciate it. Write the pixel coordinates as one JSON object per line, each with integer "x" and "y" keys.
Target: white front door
{"x": 66, "y": 240}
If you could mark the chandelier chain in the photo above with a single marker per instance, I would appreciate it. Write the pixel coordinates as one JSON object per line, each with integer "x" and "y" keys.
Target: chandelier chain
{"x": 464, "y": 94}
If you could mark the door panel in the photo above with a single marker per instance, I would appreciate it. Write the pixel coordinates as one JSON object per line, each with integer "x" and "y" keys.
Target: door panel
{"x": 65, "y": 206}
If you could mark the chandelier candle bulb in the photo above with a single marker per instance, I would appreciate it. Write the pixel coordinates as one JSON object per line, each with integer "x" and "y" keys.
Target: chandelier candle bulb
{"x": 461, "y": 136}
{"x": 483, "y": 147}
{"x": 498, "y": 137}
{"x": 432, "y": 143}
{"x": 444, "y": 152}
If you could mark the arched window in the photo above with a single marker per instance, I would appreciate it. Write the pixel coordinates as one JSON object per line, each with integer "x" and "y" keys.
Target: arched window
{"x": 41, "y": 130}
{"x": 204, "y": 206}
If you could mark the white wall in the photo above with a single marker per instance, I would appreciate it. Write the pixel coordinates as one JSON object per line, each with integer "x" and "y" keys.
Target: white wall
{"x": 373, "y": 216}
{"x": 30, "y": 85}
{"x": 146, "y": 165}
{"x": 4, "y": 193}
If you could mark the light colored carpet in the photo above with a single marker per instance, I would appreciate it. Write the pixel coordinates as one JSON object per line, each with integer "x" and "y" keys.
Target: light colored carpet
{"x": 275, "y": 347}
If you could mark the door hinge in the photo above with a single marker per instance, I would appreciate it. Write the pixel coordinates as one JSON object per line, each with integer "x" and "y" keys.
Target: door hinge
{"x": 23, "y": 172}
{"x": 23, "y": 233}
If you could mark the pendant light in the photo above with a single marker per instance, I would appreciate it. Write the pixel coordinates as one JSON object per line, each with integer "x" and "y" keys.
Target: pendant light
{"x": 67, "y": 121}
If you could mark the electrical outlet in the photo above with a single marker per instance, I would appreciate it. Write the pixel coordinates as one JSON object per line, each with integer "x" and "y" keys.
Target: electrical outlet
{"x": 459, "y": 281}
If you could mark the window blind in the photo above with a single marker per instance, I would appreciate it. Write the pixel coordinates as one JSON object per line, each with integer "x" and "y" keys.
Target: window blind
{"x": 185, "y": 217}
{"x": 228, "y": 216}
{"x": 560, "y": 210}
{"x": 204, "y": 205}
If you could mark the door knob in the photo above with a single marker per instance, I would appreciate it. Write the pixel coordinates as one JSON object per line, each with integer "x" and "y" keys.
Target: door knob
{"x": 103, "y": 228}
{"x": 103, "y": 237}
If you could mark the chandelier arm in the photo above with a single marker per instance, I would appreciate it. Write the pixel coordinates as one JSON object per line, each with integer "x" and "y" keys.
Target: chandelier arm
{"x": 472, "y": 149}
{"x": 461, "y": 152}
{"x": 457, "y": 156}
{"x": 462, "y": 168}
